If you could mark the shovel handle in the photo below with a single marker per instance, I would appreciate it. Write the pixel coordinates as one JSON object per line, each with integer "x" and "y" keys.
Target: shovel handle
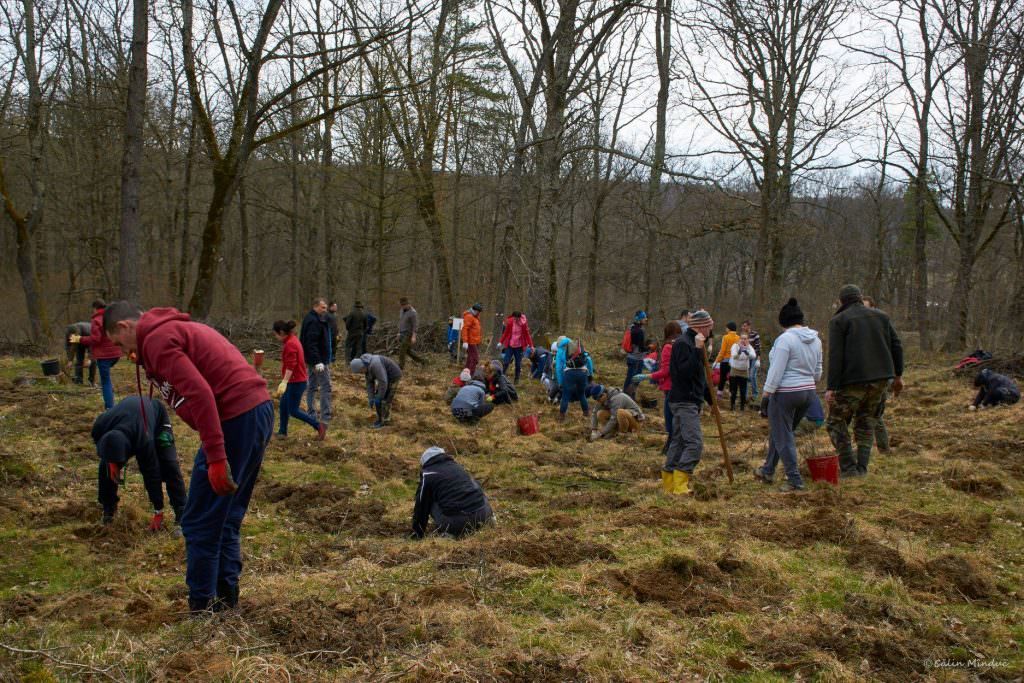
{"x": 718, "y": 415}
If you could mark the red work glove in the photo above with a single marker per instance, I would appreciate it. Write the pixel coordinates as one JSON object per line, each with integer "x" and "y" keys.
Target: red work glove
{"x": 157, "y": 523}
{"x": 220, "y": 478}
{"x": 114, "y": 470}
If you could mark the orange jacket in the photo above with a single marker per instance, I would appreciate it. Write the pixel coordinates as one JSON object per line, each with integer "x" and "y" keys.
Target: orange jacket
{"x": 725, "y": 349}
{"x": 471, "y": 333}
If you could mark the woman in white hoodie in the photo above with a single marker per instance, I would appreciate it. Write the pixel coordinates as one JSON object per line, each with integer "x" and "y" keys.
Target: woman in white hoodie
{"x": 796, "y": 367}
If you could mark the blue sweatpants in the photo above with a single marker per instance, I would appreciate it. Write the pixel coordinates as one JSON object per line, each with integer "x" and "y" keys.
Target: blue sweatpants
{"x": 291, "y": 406}
{"x": 574, "y": 386}
{"x": 211, "y": 523}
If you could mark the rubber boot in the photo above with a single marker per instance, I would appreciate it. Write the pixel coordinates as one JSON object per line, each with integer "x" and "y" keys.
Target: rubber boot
{"x": 681, "y": 483}
{"x": 667, "y": 481}
{"x": 227, "y": 597}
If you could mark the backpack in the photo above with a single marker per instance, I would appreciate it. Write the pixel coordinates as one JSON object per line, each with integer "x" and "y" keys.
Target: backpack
{"x": 627, "y": 340}
{"x": 575, "y": 356}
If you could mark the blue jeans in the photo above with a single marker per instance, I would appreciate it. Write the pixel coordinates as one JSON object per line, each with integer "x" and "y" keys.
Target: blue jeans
{"x": 291, "y": 406}
{"x": 753, "y": 380}
{"x": 785, "y": 410}
{"x": 211, "y": 523}
{"x": 634, "y": 366}
{"x": 506, "y": 357}
{"x": 105, "y": 383}
{"x": 574, "y": 387}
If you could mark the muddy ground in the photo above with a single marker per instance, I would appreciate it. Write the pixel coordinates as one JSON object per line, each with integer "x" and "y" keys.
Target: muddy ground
{"x": 590, "y": 574}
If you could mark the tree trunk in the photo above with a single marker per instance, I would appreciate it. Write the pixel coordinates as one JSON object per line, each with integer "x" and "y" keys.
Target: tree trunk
{"x": 213, "y": 238}
{"x": 243, "y": 223}
{"x": 131, "y": 163}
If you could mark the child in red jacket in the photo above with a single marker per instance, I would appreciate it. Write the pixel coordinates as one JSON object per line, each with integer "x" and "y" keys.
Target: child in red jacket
{"x": 293, "y": 380}
{"x": 104, "y": 351}
{"x": 211, "y": 387}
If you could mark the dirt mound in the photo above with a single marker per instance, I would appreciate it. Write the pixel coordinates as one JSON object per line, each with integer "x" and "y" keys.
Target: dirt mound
{"x": 944, "y": 526}
{"x": 331, "y": 508}
{"x": 301, "y": 497}
{"x": 72, "y": 511}
{"x": 458, "y": 593}
{"x": 823, "y": 524}
{"x": 19, "y": 606}
{"x": 660, "y": 517}
{"x": 952, "y": 575}
{"x": 683, "y": 584}
{"x": 119, "y": 537}
{"x": 533, "y": 668}
{"x": 558, "y": 549}
{"x": 870, "y": 554}
{"x": 386, "y": 467}
{"x": 602, "y": 500}
{"x": 962, "y": 476}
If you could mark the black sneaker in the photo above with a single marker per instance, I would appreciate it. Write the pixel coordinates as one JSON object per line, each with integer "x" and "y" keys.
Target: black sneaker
{"x": 787, "y": 487}
{"x": 761, "y": 476}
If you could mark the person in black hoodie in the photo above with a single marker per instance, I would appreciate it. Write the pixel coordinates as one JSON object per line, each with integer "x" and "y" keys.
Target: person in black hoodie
{"x": 686, "y": 398}
{"x": 994, "y": 389}
{"x": 140, "y": 427}
{"x": 316, "y": 347}
{"x": 450, "y": 496}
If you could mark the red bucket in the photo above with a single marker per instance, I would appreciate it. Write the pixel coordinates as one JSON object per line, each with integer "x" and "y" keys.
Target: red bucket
{"x": 528, "y": 424}
{"x": 824, "y": 468}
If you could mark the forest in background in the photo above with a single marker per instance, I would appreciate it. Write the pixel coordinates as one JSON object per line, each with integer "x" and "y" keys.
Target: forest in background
{"x": 574, "y": 159}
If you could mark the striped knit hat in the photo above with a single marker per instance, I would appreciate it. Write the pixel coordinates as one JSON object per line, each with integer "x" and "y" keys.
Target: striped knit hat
{"x": 700, "y": 320}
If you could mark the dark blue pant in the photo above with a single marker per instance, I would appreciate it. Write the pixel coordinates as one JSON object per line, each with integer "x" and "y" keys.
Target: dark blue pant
{"x": 539, "y": 368}
{"x": 291, "y": 406}
{"x": 507, "y": 355}
{"x": 211, "y": 523}
{"x": 668, "y": 421}
{"x": 634, "y": 366}
{"x": 105, "y": 382}
{"x": 574, "y": 387}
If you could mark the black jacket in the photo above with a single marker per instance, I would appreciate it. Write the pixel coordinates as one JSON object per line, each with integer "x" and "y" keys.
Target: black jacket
{"x": 686, "y": 368}
{"x": 355, "y": 323}
{"x": 126, "y": 417}
{"x": 316, "y": 339}
{"x": 445, "y": 483}
{"x": 862, "y": 347}
{"x": 332, "y": 325}
{"x": 995, "y": 388}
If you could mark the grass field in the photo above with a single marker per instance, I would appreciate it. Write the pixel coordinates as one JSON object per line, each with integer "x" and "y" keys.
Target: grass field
{"x": 591, "y": 574}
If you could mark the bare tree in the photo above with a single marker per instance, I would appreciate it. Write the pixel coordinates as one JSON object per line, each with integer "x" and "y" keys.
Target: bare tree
{"x": 131, "y": 163}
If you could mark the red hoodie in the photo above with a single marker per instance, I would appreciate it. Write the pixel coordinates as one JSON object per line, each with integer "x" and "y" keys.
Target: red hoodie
{"x": 294, "y": 359}
{"x": 516, "y": 334}
{"x": 199, "y": 373}
{"x": 98, "y": 342}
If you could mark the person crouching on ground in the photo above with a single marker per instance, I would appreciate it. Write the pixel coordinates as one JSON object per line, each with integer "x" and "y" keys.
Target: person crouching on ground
{"x": 293, "y": 380}
{"x": 789, "y": 392}
{"x": 993, "y": 390}
{"x": 500, "y": 389}
{"x": 382, "y": 377}
{"x": 686, "y": 398}
{"x": 140, "y": 427}
{"x": 637, "y": 350}
{"x": 450, "y": 496}
{"x": 472, "y": 402}
{"x": 618, "y": 413}
{"x": 460, "y": 380}
{"x": 211, "y": 387}
{"x": 573, "y": 370}
{"x": 742, "y": 359}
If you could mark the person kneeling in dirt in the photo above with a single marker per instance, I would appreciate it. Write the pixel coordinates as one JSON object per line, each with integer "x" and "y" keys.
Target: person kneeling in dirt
{"x": 619, "y": 413}
{"x": 472, "y": 402}
{"x": 499, "y": 387}
{"x": 459, "y": 381}
{"x": 450, "y": 496}
{"x": 994, "y": 389}
{"x": 140, "y": 427}
{"x": 540, "y": 362}
{"x": 382, "y": 376}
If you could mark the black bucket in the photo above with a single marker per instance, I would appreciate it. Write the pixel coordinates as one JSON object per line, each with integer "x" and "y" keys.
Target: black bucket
{"x": 51, "y": 368}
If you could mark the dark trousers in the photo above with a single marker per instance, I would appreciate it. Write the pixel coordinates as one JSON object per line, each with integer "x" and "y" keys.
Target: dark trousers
{"x": 384, "y": 409}
{"x": 354, "y": 347}
{"x": 80, "y": 366}
{"x": 461, "y": 524}
{"x": 723, "y": 374}
{"x": 291, "y": 406}
{"x": 668, "y": 423}
{"x": 574, "y": 387}
{"x": 473, "y": 416}
{"x": 507, "y": 356}
{"x": 211, "y": 523}
{"x": 405, "y": 349}
{"x": 472, "y": 356}
{"x": 634, "y": 366}
{"x": 169, "y": 476}
{"x": 785, "y": 410}
{"x": 738, "y": 385}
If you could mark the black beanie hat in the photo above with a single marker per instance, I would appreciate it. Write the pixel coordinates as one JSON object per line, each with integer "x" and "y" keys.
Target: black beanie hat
{"x": 113, "y": 447}
{"x": 730, "y": 326}
{"x": 791, "y": 314}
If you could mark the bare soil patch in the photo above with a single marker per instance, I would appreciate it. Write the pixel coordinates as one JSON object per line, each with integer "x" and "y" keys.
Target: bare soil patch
{"x": 557, "y": 549}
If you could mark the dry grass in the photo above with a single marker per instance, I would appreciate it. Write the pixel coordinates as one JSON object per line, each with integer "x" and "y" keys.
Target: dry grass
{"x": 590, "y": 574}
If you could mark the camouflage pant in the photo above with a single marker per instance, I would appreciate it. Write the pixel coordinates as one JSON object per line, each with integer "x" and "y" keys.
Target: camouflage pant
{"x": 857, "y": 403}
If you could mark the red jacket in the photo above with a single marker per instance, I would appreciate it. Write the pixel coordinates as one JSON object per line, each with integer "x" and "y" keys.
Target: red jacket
{"x": 661, "y": 375}
{"x": 199, "y": 373}
{"x": 98, "y": 342}
{"x": 525, "y": 340}
{"x": 293, "y": 358}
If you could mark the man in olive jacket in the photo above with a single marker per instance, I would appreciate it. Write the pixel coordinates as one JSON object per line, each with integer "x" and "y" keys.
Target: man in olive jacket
{"x": 865, "y": 356}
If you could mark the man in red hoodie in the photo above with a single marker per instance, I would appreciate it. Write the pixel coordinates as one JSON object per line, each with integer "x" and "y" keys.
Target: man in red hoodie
{"x": 104, "y": 351}
{"x": 212, "y": 388}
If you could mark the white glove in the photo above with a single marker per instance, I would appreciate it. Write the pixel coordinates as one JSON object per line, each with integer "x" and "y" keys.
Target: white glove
{"x": 75, "y": 338}
{"x": 971, "y": 406}
{"x": 318, "y": 368}
{"x": 595, "y": 435}
{"x": 699, "y": 340}
{"x": 281, "y": 388}
{"x": 465, "y": 345}
{"x": 499, "y": 346}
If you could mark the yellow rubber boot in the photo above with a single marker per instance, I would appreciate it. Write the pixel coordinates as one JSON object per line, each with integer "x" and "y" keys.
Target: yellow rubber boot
{"x": 667, "y": 481}
{"x": 681, "y": 483}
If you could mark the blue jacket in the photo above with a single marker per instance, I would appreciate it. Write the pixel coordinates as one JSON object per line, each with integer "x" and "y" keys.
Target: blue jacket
{"x": 562, "y": 356}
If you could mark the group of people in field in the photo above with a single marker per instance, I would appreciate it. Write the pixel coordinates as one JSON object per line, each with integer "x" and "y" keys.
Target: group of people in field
{"x": 204, "y": 379}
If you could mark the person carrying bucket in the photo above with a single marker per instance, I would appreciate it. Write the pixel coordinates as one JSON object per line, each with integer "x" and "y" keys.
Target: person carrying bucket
{"x": 789, "y": 391}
